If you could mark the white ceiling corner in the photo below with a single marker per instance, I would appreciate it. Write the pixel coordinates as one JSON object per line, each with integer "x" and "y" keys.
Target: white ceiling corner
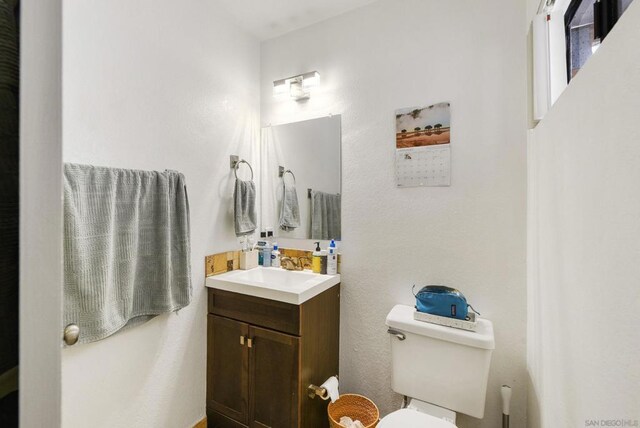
{"x": 266, "y": 19}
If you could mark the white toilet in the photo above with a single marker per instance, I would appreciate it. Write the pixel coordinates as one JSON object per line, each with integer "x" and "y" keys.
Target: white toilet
{"x": 441, "y": 370}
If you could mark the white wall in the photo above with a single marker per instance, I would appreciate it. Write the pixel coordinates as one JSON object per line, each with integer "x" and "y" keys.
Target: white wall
{"x": 155, "y": 85}
{"x": 471, "y": 235}
{"x": 584, "y": 246}
{"x": 40, "y": 213}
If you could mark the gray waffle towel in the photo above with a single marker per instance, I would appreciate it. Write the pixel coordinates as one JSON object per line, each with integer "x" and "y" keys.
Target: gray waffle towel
{"x": 290, "y": 210}
{"x": 244, "y": 203}
{"x": 126, "y": 247}
{"x": 325, "y": 215}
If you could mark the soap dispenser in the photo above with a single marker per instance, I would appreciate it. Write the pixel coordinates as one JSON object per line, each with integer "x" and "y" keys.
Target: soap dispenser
{"x": 316, "y": 262}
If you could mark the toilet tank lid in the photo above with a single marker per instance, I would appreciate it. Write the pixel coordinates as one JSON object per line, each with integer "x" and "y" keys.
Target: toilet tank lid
{"x": 401, "y": 318}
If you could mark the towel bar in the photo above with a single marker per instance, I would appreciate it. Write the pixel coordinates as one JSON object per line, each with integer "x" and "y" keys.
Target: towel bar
{"x": 310, "y": 190}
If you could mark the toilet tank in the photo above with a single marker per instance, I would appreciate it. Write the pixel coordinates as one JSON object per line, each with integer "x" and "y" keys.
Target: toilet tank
{"x": 441, "y": 365}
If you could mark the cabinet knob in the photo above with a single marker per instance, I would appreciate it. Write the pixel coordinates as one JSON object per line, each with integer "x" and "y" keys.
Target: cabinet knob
{"x": 242, "y": 340}
{"x": 249, "y": 342}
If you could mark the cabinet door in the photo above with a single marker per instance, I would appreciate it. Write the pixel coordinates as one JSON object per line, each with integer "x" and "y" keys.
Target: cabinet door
{"x": 274, "y": 369}
{"x": 228, "y": 368}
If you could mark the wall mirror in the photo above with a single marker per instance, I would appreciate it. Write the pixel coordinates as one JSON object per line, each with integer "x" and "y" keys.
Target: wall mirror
{"x": 301, "y": 179}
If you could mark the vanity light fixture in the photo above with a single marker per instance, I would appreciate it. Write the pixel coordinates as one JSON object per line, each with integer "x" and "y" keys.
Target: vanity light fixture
{"x": 297, "y": 87}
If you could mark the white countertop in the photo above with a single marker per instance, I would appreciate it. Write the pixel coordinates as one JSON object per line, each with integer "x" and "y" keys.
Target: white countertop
{"x": 295, "y": 287}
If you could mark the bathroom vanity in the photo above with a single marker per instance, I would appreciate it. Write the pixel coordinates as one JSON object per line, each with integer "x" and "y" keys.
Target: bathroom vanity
{"x": 270, "y": 338}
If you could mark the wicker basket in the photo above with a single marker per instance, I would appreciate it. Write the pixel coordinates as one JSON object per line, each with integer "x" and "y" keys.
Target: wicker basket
{"x": 355, "y": 406}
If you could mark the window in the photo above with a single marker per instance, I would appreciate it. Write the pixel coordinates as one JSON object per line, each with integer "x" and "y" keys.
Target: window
{"x": 587, "y": 23}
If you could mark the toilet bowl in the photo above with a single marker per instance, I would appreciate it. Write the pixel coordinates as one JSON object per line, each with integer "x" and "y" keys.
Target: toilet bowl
{"x": 420, "y": 414}
{"x": 409, "y": 418}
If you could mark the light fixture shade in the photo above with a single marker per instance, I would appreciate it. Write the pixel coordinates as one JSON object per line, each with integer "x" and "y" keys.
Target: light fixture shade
{"x": 311, "y": 80}
{"x": 297, "y": 87}
{"x": 280, "y": 87}
{"x": 297, "y": 91}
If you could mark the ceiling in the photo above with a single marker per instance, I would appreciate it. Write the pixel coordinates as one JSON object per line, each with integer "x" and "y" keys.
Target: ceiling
{"x": 266, "y": 19}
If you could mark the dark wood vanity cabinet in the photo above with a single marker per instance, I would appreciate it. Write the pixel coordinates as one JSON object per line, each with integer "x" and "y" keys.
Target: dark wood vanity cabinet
{"x": 227, "y": 368}
{"x": 263, "y": 354}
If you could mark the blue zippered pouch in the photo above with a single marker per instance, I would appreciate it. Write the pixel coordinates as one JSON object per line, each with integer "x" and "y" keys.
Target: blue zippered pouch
{"x": 443, "y": 301}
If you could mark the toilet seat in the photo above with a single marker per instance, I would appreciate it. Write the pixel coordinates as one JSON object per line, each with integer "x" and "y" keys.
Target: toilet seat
{"x": 408, "y": 418}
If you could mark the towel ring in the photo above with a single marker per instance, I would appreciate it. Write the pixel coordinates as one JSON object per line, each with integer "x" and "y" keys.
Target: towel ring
{"x": 292, "y": 174}
{"x": 235, "y": 170}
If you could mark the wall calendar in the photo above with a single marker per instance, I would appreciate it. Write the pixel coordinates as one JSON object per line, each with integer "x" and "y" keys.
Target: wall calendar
{"x": 423, "y": 146}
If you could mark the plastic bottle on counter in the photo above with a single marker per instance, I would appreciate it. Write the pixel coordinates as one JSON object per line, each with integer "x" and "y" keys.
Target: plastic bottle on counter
{"x": 323, "y": 261}
{"x": 332, "y": 258}
{"x": 266, "y": 255}
{"x": 275, "y": 256}
{"x": 268, "y": 248}
{"x": 260, "y": 246}
{"x": 316, "y": 260}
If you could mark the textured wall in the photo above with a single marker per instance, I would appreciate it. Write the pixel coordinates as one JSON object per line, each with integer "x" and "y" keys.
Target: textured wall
{"x": 157, "y": 85}
{"x": 584, "y": 242}
{"x": 471, "y": 235}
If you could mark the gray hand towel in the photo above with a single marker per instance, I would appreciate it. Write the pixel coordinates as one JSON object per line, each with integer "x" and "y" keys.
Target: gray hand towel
{"x": 126, "y": 247}
{"x": 325, "y": 215}
{"x": 290, "y": 211}
{"x": 244, "y": 203}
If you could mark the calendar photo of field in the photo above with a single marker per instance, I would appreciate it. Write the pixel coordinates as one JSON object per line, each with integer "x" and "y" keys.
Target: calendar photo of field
{"x": 423, "y": 126}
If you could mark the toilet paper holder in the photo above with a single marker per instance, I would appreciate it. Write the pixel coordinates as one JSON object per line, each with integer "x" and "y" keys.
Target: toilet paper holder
{"x": 315, "y": 390}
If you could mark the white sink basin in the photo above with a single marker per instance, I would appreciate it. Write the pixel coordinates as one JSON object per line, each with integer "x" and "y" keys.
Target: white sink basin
{"x": 294, "y": 287}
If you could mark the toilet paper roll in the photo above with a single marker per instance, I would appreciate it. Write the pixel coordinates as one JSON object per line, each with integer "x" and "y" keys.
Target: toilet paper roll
{"x": 331, "y": 385}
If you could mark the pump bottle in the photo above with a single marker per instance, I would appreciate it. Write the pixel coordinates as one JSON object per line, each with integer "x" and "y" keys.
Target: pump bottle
{"x": 332, "y": 258}
{"x": 316, "y": 261}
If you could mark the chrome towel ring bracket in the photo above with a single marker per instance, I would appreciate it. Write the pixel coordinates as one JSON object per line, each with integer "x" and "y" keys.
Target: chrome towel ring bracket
{"x": 282, "y": 172}
{"x": 235, "y": 165}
